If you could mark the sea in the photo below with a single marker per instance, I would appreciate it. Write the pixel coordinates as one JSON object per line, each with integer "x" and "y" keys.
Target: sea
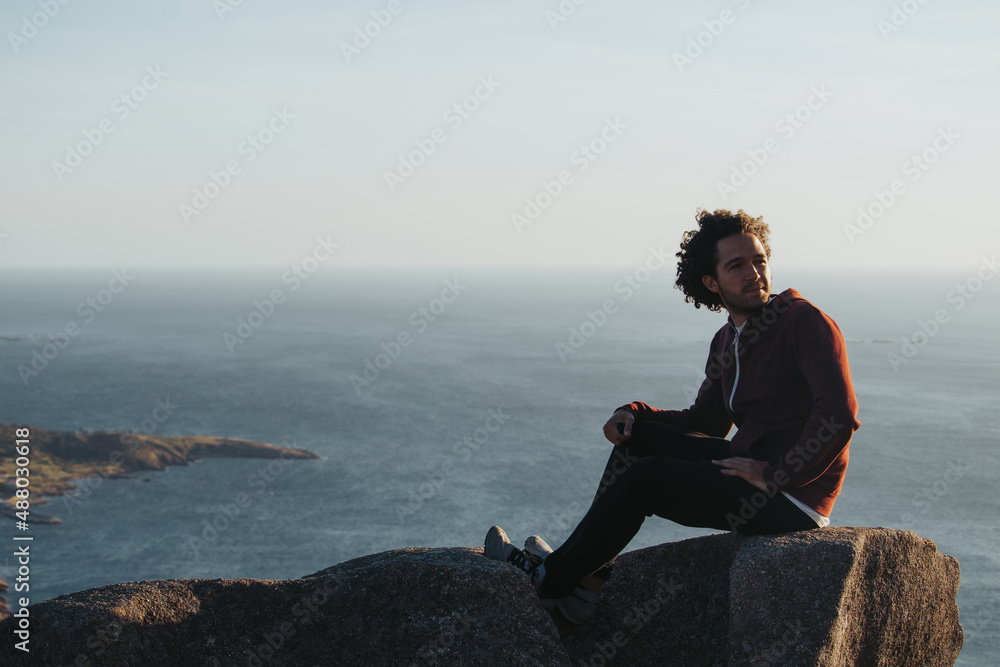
{"x": 442, "y": 402}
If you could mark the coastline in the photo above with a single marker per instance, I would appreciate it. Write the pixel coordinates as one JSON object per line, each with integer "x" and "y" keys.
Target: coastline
{"x": 58, "y": 458}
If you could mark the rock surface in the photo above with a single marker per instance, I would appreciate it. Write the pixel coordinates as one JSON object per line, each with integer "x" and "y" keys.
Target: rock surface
{"x": 831, "y": 597}
{"x": 836, "y": 596}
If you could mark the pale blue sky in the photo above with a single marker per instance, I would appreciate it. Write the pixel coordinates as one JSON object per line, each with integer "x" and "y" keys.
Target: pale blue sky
{"x": 324, "y": 173}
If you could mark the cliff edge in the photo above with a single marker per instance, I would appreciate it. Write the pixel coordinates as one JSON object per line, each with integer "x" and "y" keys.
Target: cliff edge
{"x": 833, "y": 596}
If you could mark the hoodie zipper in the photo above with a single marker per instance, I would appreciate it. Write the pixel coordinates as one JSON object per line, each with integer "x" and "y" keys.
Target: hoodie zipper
{"x": 736, "y": 351}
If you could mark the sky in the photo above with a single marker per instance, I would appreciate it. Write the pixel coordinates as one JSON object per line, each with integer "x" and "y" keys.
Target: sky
{"x": 228, "y": 134}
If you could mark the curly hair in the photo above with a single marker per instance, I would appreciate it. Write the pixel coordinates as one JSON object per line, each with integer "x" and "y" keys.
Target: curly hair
{"x": 699, "y": 252}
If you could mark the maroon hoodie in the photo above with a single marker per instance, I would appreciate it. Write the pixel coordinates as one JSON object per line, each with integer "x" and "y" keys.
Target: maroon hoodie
{"x": 793, "y": 403}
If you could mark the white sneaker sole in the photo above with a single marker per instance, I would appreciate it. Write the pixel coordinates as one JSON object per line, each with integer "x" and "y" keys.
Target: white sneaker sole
{"x": 578, "y": 607}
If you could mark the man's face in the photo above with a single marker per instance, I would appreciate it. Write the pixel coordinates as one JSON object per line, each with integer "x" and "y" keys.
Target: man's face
{"x": 743, "y": 277}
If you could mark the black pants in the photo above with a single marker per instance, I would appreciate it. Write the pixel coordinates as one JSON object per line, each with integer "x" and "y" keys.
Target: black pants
{"x": 668, "y": 472}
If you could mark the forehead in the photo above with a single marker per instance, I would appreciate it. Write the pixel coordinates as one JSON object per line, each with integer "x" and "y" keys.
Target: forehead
{"x": 739, "y": 245}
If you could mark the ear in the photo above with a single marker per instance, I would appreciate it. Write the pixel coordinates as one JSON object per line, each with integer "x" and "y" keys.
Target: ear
{"x": 709, "y": 282}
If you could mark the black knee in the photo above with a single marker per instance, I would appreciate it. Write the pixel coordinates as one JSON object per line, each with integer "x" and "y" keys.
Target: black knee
{"x": 634, "y": 484}
{"x": 619, "y": 463}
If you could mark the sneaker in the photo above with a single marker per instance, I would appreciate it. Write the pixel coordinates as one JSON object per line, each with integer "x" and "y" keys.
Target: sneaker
{"x": 536, "y": 547}
{"x": 578, "y": 607}
{"x": 498, "y": 547}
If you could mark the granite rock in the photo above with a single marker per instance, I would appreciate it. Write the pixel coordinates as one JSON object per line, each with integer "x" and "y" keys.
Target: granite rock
{"x": 834, "y": 596}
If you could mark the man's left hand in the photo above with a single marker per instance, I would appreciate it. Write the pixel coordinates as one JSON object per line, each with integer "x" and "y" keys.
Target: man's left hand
{"x": 751, "y": 470}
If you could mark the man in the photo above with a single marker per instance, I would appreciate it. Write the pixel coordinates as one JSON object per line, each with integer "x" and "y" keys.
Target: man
{"x": 777, "y": 369}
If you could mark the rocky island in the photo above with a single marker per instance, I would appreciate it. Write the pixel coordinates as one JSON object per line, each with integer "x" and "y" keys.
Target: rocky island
{"x": 58, "y": 458}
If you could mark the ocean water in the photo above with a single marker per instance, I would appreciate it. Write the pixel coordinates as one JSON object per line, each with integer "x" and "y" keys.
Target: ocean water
{"x": 476, "y": 420}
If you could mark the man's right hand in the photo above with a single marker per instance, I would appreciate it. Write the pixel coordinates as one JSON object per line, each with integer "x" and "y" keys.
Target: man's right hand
{"x": 618, "y": 429}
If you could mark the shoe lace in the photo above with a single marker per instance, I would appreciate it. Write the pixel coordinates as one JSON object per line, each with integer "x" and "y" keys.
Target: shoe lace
{"x": 524, "y": 560}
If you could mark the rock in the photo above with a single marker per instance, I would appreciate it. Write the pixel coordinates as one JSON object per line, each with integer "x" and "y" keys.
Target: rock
{"x": 884, "y": 597}
{"x": 667, "y": 605}
{"x": 409, "y": 606}
{"x": 836, "y": 596}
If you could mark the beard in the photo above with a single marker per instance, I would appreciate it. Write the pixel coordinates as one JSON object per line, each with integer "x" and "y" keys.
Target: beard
{"x": 746, "y": 303}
